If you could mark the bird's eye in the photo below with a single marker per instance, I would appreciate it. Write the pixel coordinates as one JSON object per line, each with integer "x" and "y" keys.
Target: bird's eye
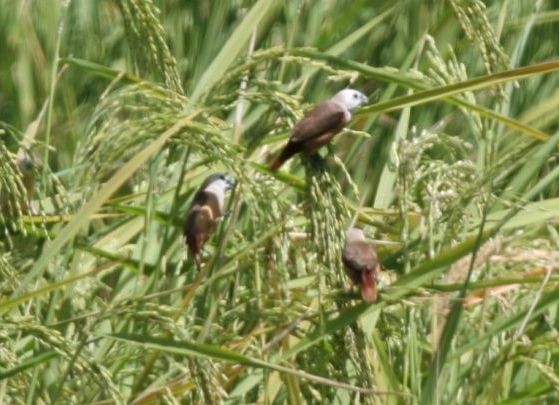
{"x": 354, "y": 95}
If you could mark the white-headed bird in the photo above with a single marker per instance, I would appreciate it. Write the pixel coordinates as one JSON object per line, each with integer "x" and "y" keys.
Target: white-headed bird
{"x": 361, "y": 263}
{"x": 204, "y": 212}
{"x": 320, "y": 125}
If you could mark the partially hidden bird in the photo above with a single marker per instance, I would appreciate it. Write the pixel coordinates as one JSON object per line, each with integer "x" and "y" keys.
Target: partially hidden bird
{"x": 11, "y": 201}
{"x": 320, "y": 125}
{"x": 204, "y": 213}
{"x": 361, "y": 263}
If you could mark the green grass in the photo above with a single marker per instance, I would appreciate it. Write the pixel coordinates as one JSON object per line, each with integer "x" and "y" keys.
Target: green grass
{"x": 125, "y": 106}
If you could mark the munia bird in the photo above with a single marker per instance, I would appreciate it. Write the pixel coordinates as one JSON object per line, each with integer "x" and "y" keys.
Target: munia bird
{"x": 320, "y": 125}
{"x": 204, "y": 212}
{"x": 361, "y": 263}
{"x": 26, "y": 167}
{"x": 10, "y": 202}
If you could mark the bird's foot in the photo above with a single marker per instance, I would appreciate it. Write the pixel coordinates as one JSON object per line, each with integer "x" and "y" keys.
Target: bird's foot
{"x": 316, "y": 161}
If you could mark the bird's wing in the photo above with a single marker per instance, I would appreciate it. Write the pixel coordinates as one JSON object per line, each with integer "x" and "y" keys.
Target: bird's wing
{"x": 360, "y": 256}
{"x": 203, "y": 197}
{"x": 325, "y": 117}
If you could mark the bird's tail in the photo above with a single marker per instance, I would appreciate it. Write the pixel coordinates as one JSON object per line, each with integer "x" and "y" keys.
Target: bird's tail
{"x": 369, "y": 286}
{"x": 194, "y": 244}
{"x": 198, "y": 261}
{"x": 276, "y": 164}
{"x": 285, "y": 154}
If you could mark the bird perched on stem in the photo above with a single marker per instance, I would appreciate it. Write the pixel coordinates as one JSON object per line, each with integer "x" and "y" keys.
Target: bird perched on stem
{"x": 204, "y": 212}
{"x": 320, "y": 125}
{"x": 361, "y": 263}
{"x": 26, "y": 167}
{"x": 18, "y": 198}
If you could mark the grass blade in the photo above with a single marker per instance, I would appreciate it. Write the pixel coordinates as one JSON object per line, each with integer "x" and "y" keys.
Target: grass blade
{"x": 219, "y": 353}
{"x": 232, "y": 48}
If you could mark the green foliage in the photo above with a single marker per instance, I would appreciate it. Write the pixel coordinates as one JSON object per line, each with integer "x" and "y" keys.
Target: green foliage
{"x": 113, "y": 112}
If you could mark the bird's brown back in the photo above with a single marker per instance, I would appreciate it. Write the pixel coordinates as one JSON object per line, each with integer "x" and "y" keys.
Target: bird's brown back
{"x": 201, "y": 219}
{"x": 360, "y": 256}
{"x": 325, "y": 117}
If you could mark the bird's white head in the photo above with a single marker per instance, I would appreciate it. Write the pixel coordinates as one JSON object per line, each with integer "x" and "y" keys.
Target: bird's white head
{"x": 351, "y": 98}
{"x": 354, "y": 234}
{"x": 218, "y": 184}
{"x": 218, "y": 181}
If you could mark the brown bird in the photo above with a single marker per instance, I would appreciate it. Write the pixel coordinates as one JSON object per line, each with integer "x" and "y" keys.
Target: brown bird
{"x": 204, "y": 212}
{"x": 361, "y": 263}
{"x": 26, "y": 167}
{"x": 17, "y": 200}
{"x": 320, "y": 125}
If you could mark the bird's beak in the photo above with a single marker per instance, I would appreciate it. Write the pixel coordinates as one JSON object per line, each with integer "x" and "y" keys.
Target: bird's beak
{"x": 230, "y": 182}
{"x": 365, "y": 99}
